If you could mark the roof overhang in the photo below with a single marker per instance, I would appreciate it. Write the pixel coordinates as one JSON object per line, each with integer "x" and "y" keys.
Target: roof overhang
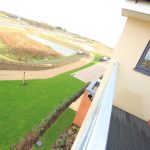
{"x": 140, "y": 10}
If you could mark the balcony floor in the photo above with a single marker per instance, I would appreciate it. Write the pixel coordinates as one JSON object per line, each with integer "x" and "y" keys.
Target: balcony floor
{"x": 127, "y": 132}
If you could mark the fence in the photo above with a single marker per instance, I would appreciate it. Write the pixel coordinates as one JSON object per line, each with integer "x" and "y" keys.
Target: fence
{"x": 8, "y": 65}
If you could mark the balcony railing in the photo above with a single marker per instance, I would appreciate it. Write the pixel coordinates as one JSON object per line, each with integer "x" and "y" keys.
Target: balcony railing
{"x": 94, "y": 130}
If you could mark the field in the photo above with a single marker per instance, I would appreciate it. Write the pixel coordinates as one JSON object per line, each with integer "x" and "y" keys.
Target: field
{"x": 16, "y": 47}
{"x": 15, "y": 44}
{"x": 21, "y": 47}
{"x": 78, "y": 43}
{"x": 24, "y": 107}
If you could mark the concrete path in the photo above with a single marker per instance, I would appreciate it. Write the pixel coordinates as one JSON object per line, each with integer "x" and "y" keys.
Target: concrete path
{"x": 91, "y": 73}
{"x": 75, "y": 105}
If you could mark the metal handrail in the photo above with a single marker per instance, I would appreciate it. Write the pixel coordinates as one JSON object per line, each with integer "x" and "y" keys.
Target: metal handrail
{"x": 94, "y": 130}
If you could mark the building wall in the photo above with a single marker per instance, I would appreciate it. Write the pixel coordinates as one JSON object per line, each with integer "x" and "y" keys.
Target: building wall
{"x": 83, "y": 109}
{"x": 133, "y": 88}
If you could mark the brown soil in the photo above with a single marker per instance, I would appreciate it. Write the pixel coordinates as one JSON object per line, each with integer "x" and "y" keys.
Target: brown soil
{"x": 66, "y": 140}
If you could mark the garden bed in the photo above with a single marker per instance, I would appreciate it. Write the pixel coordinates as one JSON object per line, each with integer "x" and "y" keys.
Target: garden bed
{"x": 66, "y": 139}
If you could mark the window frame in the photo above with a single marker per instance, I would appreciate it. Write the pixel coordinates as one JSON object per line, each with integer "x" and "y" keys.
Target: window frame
{"x": 138, "y": 67}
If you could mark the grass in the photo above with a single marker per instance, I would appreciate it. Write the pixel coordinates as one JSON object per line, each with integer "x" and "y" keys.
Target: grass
{"x": 2, "y": 14}
{"x": 3, "y": 47}
{"x": 60, "y": 60}
{"x": 24, "y": 107}
{"x": 29, "y": 50}
{"x": 64, "y": 41}
{"x": 25, "y": 47}
{"x": 97, "y": 57}
{"x": 3, "y": 50}
{"x": 64, "y": 121}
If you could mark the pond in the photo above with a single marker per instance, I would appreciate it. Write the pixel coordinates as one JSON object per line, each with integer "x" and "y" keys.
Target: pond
{"x": 58, "y": 48}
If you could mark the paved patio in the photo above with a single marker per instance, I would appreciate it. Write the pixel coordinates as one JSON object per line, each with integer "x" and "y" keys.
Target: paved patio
{"x": 91, "y": 73}
{"x": 75, "y": 105}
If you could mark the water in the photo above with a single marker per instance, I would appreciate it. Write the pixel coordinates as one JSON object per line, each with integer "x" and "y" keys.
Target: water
{"x": 56, "y": 47}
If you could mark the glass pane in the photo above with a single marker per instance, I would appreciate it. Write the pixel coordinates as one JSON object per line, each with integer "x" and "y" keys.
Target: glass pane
{"x": 146, "y": 61}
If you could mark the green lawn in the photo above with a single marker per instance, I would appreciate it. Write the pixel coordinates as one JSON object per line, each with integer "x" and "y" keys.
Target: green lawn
{"x": 24, "y": 107}
{"x": 64, "y": 121}
{"x": 97, "y": 57}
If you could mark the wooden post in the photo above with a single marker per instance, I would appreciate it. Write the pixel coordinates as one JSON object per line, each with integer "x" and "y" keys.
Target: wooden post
{"x": 24, "y": 78}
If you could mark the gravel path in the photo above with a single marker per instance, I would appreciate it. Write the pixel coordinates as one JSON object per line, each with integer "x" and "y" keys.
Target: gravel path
{"x": 43, "y": 74}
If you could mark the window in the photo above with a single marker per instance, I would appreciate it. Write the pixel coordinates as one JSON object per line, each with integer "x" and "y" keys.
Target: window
{"x": 143, "y": 65}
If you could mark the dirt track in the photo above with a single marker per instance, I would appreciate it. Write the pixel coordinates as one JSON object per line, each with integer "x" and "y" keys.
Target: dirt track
{"x": 43, "y": 74}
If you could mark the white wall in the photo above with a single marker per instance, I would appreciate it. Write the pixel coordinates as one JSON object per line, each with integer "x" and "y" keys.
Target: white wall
{"x": 133, "y": 88}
